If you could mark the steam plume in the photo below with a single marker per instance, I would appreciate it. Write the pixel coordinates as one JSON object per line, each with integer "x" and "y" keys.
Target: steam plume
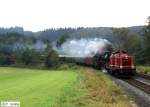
{"x": 84, "y": 47}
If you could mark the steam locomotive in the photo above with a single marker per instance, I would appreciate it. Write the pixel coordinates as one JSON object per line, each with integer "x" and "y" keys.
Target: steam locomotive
{"x": 118, "y": 63}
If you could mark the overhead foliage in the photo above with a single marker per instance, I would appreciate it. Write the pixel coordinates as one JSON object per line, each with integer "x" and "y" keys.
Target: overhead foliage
{"x": 146, "y": 36}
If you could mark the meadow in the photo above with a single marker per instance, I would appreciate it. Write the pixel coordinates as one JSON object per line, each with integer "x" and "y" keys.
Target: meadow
{"x": 83, "y": 87}
{"x": 36, "y": 88}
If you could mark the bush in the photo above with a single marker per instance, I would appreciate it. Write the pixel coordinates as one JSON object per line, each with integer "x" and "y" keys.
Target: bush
{"x": 68, "y": 66}
{"x": 51, "y": 59}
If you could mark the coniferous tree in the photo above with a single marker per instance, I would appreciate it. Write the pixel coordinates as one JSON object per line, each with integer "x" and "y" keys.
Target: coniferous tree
{"x": 146, "y": 36}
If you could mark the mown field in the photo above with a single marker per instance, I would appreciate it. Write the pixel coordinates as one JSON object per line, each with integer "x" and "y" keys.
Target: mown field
{"x": 46, "y": 88}
{"x": 36, "y": 88}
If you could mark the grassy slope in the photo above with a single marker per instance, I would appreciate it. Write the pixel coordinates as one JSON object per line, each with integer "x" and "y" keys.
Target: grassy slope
{"x": 144, "y": 69}
{"x": 102, "y": 92}
{"x": 43, "y": 88}
{"x": 36, "y": 88}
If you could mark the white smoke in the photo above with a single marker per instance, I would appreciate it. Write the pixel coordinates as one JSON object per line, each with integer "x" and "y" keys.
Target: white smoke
{"x": 83, "y": 47}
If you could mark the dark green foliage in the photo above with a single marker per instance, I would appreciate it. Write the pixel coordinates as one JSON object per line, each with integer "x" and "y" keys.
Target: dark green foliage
{"x": 147, "y": 37}
{"x": 146, "y": 44}
{"x": 51, "y": 35}
{"x": 128, "y": 41}
{"x": 52, "y": 59}
{"x": 26, "y": 57}
{"x": 6, "y": 59}
{"x": 17, "y": 45}
{"x": 62, "y": 39}
{"x": 31, "y": 57}
{"x": 3, "y": 59}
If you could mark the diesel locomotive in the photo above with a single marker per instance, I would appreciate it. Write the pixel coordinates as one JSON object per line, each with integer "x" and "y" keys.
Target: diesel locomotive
{"x": 119, "y": 63}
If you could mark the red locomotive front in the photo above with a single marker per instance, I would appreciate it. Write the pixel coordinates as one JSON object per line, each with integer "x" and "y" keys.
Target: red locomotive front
{"x": 121, "y": 63}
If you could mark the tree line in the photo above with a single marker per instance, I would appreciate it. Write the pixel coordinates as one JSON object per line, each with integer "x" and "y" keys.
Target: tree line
{"x": 138, "y": 44}
{"x": 20, "y": 49}
{"x": 48, "y": 58}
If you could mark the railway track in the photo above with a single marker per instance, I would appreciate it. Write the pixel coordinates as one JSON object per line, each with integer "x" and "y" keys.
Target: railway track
{"x": 141, "y": 75}
{"x": 140, "y": 85}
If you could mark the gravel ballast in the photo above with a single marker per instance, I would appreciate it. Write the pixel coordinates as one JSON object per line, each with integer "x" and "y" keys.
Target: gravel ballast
{"x": 141, "y": 98}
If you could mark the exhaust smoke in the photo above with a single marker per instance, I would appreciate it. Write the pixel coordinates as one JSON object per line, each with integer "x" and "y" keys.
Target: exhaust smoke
{"x": 84, "y": 47}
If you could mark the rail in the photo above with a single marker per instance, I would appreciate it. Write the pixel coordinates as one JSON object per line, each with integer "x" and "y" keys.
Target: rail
{"x": 140, "y": 85}
{"x": 145, "y": 76}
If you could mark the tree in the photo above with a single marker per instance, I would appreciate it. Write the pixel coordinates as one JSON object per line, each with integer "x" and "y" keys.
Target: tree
{"x": 126, "y": 40}
{"x": 146, "y": 36}
{"x": 130, "y": 42}
{"x": 6, "y": 59}
{"x": 62, "y": 39}
{"x": 26, "y": 57}
{"x": 3, "y": 59}
{"x": 51, "y": 59}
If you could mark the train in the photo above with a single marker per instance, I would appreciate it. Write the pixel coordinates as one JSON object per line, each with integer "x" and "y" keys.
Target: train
{"x": 119, "y": 63}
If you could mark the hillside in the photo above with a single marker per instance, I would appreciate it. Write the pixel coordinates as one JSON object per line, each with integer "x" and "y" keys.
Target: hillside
{"x": 14, "y": 38}
{"x": 54, "y": 34}
{"x": 14, "y": 41}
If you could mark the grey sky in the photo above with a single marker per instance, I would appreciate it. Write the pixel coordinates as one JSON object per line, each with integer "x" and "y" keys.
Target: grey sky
{"x": 37, "y": 15}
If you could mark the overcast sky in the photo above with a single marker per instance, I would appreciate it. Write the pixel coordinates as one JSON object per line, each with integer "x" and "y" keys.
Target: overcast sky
{"x": 38, "y": 15}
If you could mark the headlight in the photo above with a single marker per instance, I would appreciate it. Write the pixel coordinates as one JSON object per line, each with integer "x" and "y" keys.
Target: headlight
{"x": 121, "y": 67}
{"x": 132, "y": 66}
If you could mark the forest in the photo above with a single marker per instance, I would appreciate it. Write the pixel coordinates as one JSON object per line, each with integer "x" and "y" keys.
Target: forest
{"x": 27, "y": 48}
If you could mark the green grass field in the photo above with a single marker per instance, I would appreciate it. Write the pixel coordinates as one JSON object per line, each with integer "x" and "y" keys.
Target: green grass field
{"x": 83, "y": 87}
{"x": 37, "y": 88}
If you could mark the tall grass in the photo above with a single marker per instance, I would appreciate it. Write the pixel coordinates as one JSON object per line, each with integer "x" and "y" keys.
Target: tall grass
{"x": 144, "y": 69}
{"x": 101, "y": 91}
